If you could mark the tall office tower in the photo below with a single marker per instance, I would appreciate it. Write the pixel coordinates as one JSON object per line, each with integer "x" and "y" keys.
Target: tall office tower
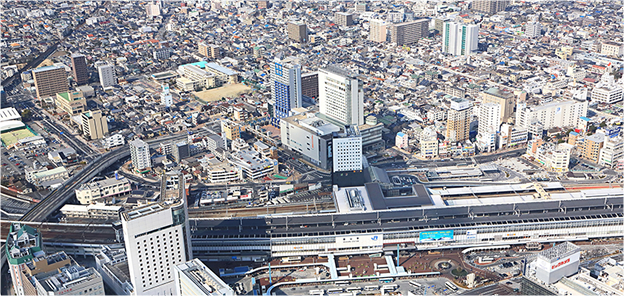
{"x": 410, "y": 32}
{"x": 140, "y": 155}
{"x": 343, "y": 19}
{"x": 49, "y": 81}
{"x": 79, "y": 67}
{"x": 107, "y": 74}
{"x": 23, "y": 244}
{"x": 94, "y": 125}
{"x": 166, "y": 99}
{"x": 341, "y": 96}
{"x": 458, "y": 120}
{"x": 489, "y": 122}
{"x": 285, "y": 87}
{"x": 533, "y": 29}
{"x": 460, "y": 39}
{"x": 310, "y": 85}
{"x": 298, "y": 31}
{"x": 489, "y": 6}
{"x": 157, "y": 238}
{"x": 347, "y": 150}
{"x": 505, "y": 99}
{"x": 378, "y": 31}
{"x": 194, "y": 278}
{"x": 152, "y": 9}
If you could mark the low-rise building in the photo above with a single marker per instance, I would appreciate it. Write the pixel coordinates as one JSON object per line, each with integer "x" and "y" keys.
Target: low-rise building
{"x": 611, "y": 151}
{"x": 47, "y": 178}
{"x": 73, "y": 103}
{"x": 89, "y": 192}
{"x": 194, "y": 278}
{"x": 252, "y": 165}
{"x": 98, "y": 211}
{"x": 114, "y": 141}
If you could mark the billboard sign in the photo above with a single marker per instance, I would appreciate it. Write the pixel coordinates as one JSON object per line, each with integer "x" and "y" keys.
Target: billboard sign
{"x": 435, "y": 236}
{"x": 375, "y": 240}
{"x": 471, "y": 234}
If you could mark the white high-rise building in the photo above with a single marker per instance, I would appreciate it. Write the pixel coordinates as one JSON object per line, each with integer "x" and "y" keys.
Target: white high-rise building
{"x": 157, "y": 238}
{"x": 533, "y": 29}
{"x": 166, "y": 99}
{"x": 140, "y": 155}
{"x": 489, "y": 122}
{"x": 285, "y": 87}
{"x": 378, "y": 30}
{"x": 347, "y": 150}
{"x": 341, "y": 96}
{"x": 107, "y": 74}
{"x": 152, "y": 9}
{"x": 460, "y": 39}
{"x": 553, "y": 114}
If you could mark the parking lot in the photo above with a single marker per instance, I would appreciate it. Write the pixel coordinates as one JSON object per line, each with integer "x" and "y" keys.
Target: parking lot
{"x": 403, "y": 180}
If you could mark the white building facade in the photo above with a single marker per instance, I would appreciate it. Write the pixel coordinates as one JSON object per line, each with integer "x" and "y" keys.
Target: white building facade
{"x": 459, "y": 39}
{"x": 554, "y": 114}
{"x": 140, "y": 155}
{"x": 341, "y": 96}
{"x": 107, "y": 74}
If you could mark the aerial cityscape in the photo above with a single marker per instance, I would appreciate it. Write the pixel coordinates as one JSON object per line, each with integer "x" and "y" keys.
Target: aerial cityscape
{"x": 302, "y": 147}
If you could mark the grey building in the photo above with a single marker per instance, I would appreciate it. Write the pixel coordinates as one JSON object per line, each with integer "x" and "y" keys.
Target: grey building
{"x": 410, "y": 32}
{"x": 180, "y": 150}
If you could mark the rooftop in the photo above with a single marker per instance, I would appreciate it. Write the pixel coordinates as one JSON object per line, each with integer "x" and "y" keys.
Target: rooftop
{"x": 203, "y": 278}
{"x": 560, "y": 250}
{"x": 10, "y": 113}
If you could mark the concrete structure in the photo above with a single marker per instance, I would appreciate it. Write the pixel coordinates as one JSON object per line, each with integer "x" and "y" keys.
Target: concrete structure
{"x": 230, "y": 130}
{"x": 114, "y": 141}
{"x": 401, "y": 140}
{"x": 252, "y": 165}
{"x": 89, "y": 192}
{"x": 557, "y": 262}
{"x": 555, "y": 158}
{"x": 533, "y": 29}
{"x": 157, "y": 238}
{"x": 458, "y": 120}
{"x": 554, "y": 114}
{"x": 107, "y": 74}
{"x": 429, "y": 148}
{"x": 166, "y": 99}
{"x": 343, "y": 19}
{"x": 94, "y": 125}
{"x": 140, "y": 155}
{"x": 96, "y": 211}
{"x": 460, "y": 39}
{"x": 9, "y": 114}
{"x": 409, "y": 32}
{"x": 73, "y": 103}
{"x": 378, "y": 30}
{"x": 612, "y": 49}
{"x": 79, "y": 68}
{"x": 347, "y": 150}
{"x": 152, "y": 9}
{"x": 489, "y": 6}
{"x": 310, "y": 85}
{"x": 590, "y": 147}
{"x": 297, "y": 31}
{"x": 612, "y": 150}
{"x": 371, "y": 133}
{"x": 510, "y": 137}
{"x": 22, "y": 245}
{"x": 341, "y": 96}
{"x": 49, "y": 81}
{"x": 505, "y": 99}
{"x": 60, "y": 275}
{"x": 489, "y": 122}
{"x": 112, "y": 264}
{"x": 607, "y": 90}
{"x": 45, "y": 177}
{"x": 209, "y": 50}
{"x": 180, "y": 150}
{"x": 286, "y": 88}
{"x": 310, "y": 136}
{"x": 194, "y": 278}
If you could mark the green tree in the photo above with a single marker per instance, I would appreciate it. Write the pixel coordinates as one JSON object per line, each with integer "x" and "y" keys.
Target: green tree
{"x": 26, "y": 114}
{"x": 603, "y": 124}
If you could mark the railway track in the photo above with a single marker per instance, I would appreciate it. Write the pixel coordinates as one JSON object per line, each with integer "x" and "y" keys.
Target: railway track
{"x": 259, "y": 211}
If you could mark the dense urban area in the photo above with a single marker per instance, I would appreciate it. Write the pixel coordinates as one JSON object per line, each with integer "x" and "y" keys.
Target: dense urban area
{"x": 274, "y": 147}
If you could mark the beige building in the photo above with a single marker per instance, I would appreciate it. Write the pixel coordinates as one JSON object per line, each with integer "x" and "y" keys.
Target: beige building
{"x": 489, "y": 6}
{"x": 505, "y": 99}
{"x": 458, "y": 120}
{"x": 231, "y": 130}
{"x": 210, "y": 50}
{"x": 612, "y": 48}
{"x": 409, "y": 32}
{"x": 49, "y": 81}
{"x": 297, "y": 32}
{"x": 429, "y": 148}
{"x": 89, "y": 192}
{"x": 71, "y": 102}
{"x": 590, "y": 147}
{"x": 343, "y": 19}
{"x": 378, "y": 31}
{"x": 94, "y": 125}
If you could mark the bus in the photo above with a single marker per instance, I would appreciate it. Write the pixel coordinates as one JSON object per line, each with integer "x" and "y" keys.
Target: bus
{"x": 334, "y": 291}
{"x": 371, "y": 288}
{"x": 415, "y": 284}
{"x": 451, "y": 286}
{"x": 317, "y": 292}
{"x": 342, "y": 283}
{"x": 389, "y": 287}
{"x": 386, "y": 280}
{"x": 354, "y": 289}
{"x": 294, "y": 259}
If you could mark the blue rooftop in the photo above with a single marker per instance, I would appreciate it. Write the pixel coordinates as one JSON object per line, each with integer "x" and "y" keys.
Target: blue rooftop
{"x": 585, "y": 118}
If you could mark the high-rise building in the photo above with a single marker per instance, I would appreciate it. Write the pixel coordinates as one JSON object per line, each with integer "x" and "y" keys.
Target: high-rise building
{"x": 554, "y": 114}
{"x": 505, "y": 99}
{"x": 79, "y": 68}
{"x": 209, "y": 50}
{"x": 140, "y": 155}
{"x": 590, "y": 147}
{"x": 611, "y": 151}
{"x": 107, "y": 74}
{"x": 94, "y": 125}
{"x": 285, "y": 87}
{"x": 489, "y": 122}
{"x": 49, "y": 81}
{"x": 298, "y": 31}
{"x": 460, "y": 39}
{"x": 489, "y": 6}
{"x": 152, "y": 9}
{"x": 157, "y": 238}
{"x": 343, "y": 19}
{"x": 180, "y": 150}
{"x": 378, "y": 31}
{"x": 458, "y": 120}
{"x": 410, "y": 32}
{"x": 194, "y": 278}
{"x": 341, "y": 96}
{"x": 166, "y": 99}
{"x": 533, "y": 29}
{"x": 73, "y": 103}
{"x": 347, "y": 150}
{"x": 310, "y": 85}
{"x": 230, "y": 130}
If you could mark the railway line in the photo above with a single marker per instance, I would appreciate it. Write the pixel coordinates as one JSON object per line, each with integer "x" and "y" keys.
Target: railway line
{"x": 260, "y": 211}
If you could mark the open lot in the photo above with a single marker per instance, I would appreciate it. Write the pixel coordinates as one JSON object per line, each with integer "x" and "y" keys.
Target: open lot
{"x": 225, "y": 91}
